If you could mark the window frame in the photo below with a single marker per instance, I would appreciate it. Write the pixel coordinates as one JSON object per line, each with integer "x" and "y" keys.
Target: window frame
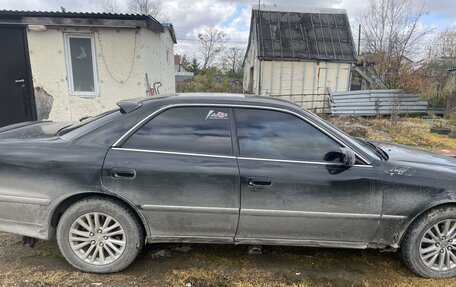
{"x": 341, "y": 144}
{"x": 67, "y": 48}
{"x": 231, "y": 122}
{"x": 367, "y": 161}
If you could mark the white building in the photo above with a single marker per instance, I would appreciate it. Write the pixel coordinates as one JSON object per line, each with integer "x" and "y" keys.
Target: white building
{"x": 180, "y": 72}
{"x": 63, "y": 66}
{"x": 298, "y": 54}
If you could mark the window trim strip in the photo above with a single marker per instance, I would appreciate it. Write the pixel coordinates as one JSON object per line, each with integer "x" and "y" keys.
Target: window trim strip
{"x": 122, "y": 139}
{"x": 234, "y": 157}
{"x": 299, "y": 161}
{"x": 173, "y": 152}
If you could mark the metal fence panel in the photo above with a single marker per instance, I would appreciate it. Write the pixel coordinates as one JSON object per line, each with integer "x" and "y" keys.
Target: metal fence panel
{"x": 376, "y": 102}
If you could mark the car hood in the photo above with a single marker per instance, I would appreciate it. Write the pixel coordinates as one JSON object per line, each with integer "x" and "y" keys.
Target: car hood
{"x": 416, "y": 157}
{"x": 32, "y": 130}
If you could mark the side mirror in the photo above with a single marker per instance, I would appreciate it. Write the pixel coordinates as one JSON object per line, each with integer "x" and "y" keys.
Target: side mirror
{"x": 348, "y": 157}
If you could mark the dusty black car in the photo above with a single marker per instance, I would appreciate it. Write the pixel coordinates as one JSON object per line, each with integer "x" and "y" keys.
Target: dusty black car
{"x": 222, "y": 169}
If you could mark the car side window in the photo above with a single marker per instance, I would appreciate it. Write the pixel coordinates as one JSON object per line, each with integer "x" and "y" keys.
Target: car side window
{"x": 277, "y": 135}
{"x": 186, "y": 129}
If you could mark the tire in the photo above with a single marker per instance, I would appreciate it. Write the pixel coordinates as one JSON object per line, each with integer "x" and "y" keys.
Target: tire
{"x": 105, "y": 235}
{"x": 421, "y": 252}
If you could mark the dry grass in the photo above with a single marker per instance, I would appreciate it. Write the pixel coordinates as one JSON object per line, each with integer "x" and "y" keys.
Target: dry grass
{"x": 244, "y": 277}
{"x": 408, "y": 131}
{"x": 207, "y": 277}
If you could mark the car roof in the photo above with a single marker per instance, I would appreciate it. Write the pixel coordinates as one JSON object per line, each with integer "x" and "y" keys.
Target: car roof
{"x": 208, "y": 98}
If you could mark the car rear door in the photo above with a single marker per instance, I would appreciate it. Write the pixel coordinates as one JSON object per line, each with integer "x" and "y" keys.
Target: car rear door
{"x": 179, "y": 168}
{"x": 293, "y": 191}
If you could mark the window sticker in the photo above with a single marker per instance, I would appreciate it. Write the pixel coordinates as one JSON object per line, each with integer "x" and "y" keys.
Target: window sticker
{"x": 214, "y": 115}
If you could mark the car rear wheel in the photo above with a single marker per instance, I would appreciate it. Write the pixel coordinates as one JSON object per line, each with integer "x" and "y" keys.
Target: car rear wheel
{"x": 99, "y": 236}
{"x": 429, "y": 245}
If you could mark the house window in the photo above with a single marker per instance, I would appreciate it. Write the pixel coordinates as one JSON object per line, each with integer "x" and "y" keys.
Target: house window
{"x": 81, "y": 64}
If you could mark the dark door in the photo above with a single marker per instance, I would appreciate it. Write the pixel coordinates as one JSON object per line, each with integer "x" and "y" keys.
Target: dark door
{"x": 180, "y": 170}
{"x": 293, "y": 190}
{"x": 16, "y": 99}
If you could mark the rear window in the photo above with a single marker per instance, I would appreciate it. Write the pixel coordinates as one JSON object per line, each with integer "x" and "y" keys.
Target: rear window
{"x": 36, "y": 130}
{"x": 89, "y": 124}
{"x": 188, "y": 129}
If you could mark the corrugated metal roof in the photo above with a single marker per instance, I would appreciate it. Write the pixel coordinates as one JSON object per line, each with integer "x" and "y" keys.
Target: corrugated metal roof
{"x": 313, "y": 35}
{"x": 94, "y": 15}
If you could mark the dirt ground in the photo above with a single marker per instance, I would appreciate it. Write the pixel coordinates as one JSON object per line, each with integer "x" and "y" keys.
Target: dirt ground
{"x": 211, "y": 265}
{"x": 217, "y": 265}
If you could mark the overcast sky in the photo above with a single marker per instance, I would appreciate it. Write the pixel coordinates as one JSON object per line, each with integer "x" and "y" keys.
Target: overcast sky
{"x": 190, "y": 16}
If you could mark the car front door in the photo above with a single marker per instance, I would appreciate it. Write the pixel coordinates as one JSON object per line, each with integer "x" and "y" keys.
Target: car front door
{"x": 293, "y": 190}
{"x": 180, "y": 170}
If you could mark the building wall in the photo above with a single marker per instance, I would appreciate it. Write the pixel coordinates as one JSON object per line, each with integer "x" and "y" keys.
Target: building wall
{"x": 251, "y": 67}
{"x": 248, "y": 64}
{"x": 122, "y": 58}
{"x": 157, "y": 54}
{"x": 305, "y": 83}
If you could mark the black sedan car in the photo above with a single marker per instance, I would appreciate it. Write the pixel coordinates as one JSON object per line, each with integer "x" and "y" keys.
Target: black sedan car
{"x": 228, "y": 169}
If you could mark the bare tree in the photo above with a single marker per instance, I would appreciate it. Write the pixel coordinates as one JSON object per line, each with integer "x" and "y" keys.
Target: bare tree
{"x": 146, "y": 7}
{"x": 233, "y": 57}
{"x": 212, "y": 43}
{"x": 443, "y": 46}
{"x": 442, "y": 55}
{"x": 110, "y": 6}
{"x": 185, "y": 62}
{"x": 392, "y": 30}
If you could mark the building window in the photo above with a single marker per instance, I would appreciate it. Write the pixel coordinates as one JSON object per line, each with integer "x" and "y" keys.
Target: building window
{"x": 81, "y": 64}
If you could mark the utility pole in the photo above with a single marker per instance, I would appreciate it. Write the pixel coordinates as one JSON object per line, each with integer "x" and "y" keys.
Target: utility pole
{"x": 450, "y": 102}
{"x": 258, "y": 39}
{"x": 359, "y": 40}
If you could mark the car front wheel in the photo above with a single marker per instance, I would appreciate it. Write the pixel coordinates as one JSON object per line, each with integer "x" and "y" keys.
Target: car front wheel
{"x": 429, "y": 245}
{"x": 99, "y": 235}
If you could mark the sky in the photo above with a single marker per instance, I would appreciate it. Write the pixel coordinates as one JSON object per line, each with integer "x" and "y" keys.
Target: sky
{"x": 232, "y": 16}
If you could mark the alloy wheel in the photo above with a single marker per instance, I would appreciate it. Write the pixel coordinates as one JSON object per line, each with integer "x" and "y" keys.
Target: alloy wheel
{"x": 97, "y": 238}
{"x": 438, "y": 246}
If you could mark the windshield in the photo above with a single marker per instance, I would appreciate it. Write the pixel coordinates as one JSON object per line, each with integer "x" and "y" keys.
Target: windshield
{"x": 342, "y": 135}
{"x": 88, "y": 124}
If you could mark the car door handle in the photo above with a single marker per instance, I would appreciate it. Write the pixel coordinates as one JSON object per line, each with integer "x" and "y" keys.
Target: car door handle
{"x": 259, "y": 182}
{"x": 123, "y": 173}
{"x": 19, "y": 81}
